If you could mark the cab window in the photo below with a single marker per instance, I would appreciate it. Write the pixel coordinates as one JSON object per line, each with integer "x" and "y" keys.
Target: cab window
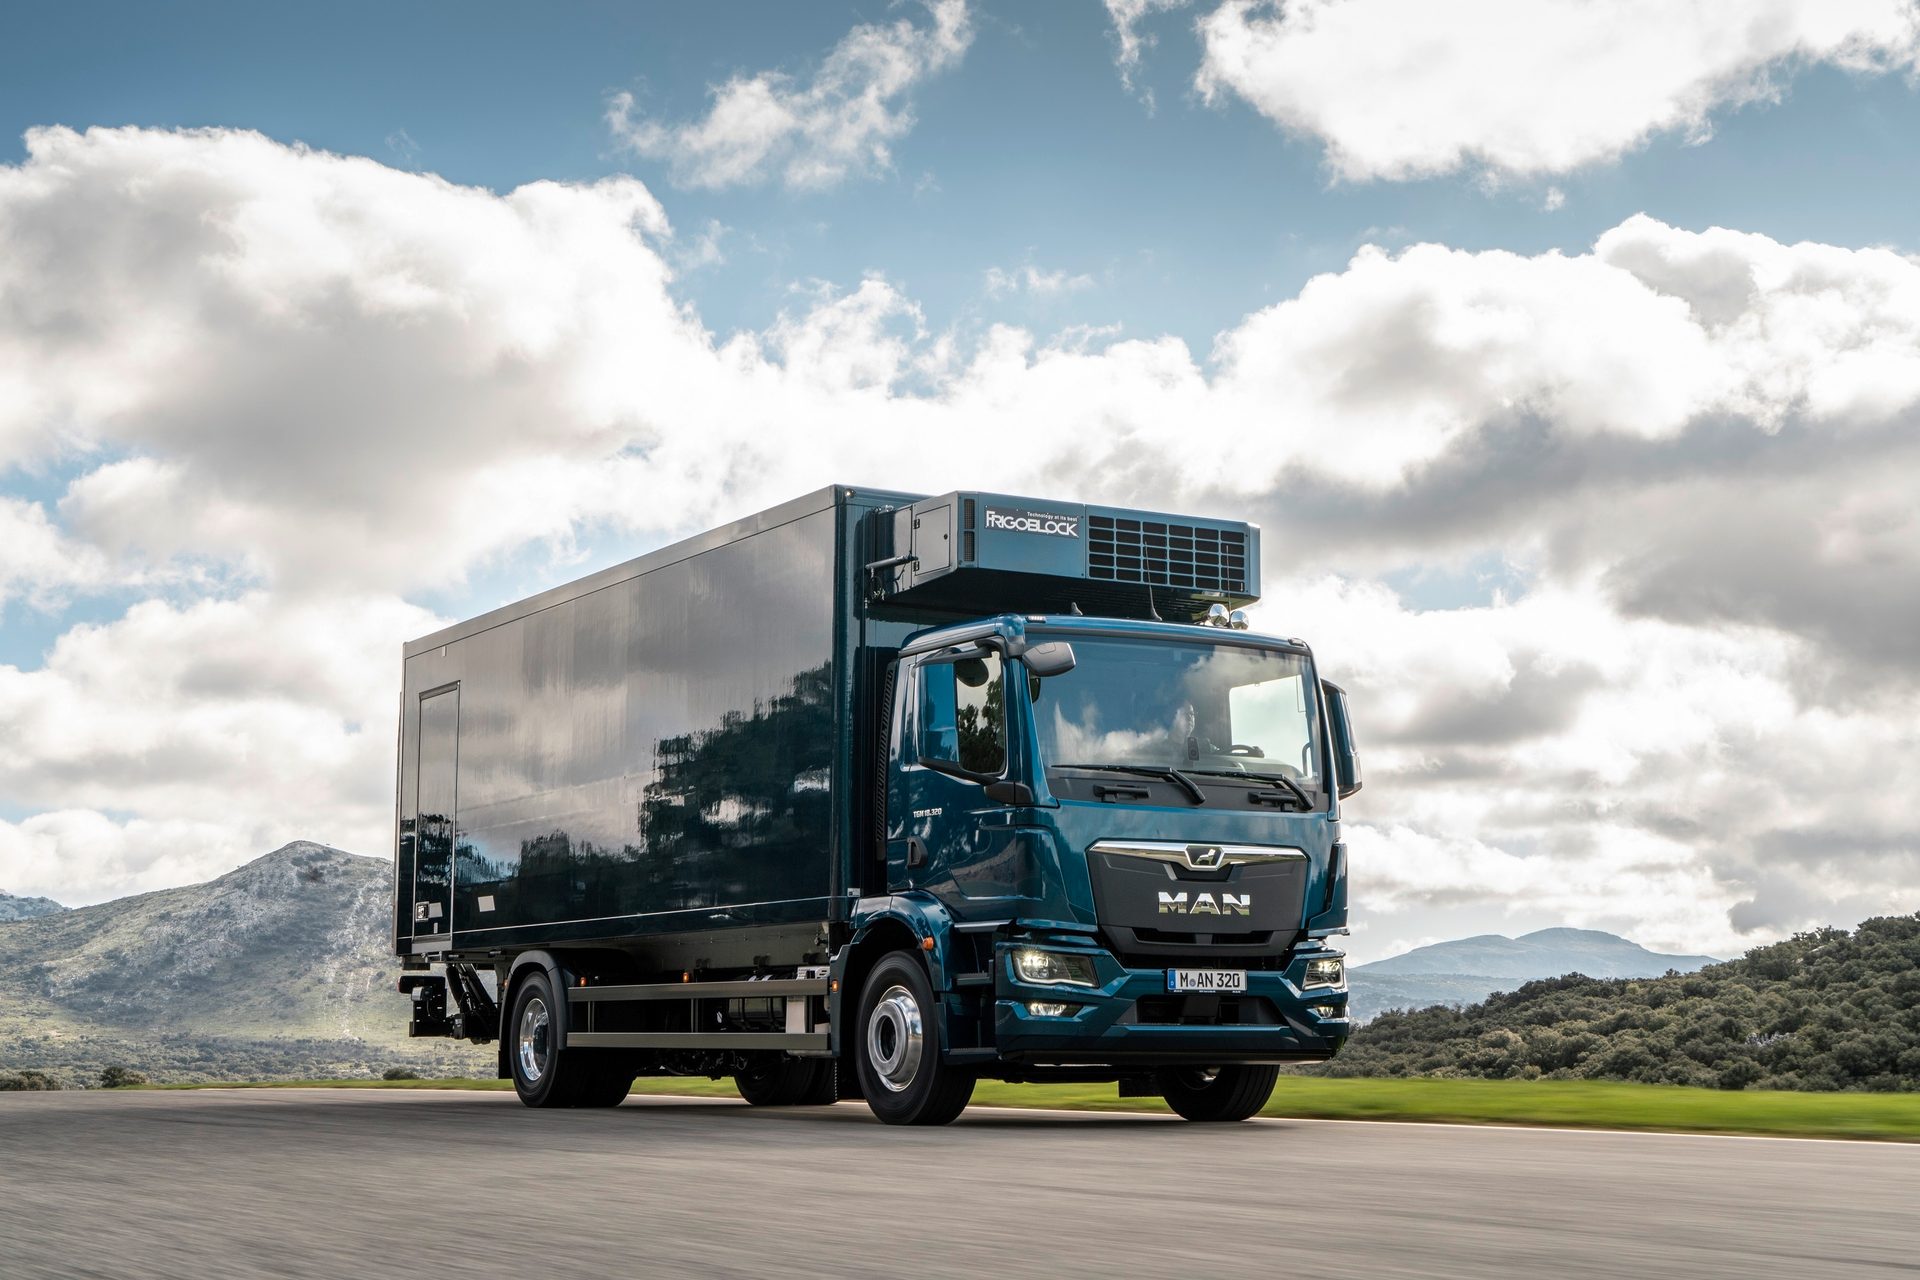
{"x": 963, "y": 720}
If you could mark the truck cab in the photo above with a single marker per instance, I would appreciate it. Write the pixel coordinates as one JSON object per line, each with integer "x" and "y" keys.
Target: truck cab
{"x": 1130, "y": 829}
{"x": 1113, "y": 822}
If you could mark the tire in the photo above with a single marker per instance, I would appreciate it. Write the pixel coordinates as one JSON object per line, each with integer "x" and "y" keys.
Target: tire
{"x": 1222, "y": 1095}
{"x": 608, "y": 1081}
{"x": 546, "y": 1076}
{"x": 780, "y": 1081}
{"x": 846, "y": 1080}
{"x": 897, "y": 1048}
{"x": 825, "y": 1090}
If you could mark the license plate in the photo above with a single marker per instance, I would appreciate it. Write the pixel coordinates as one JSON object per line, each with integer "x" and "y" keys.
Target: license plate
{"x": 1206, "y": 980}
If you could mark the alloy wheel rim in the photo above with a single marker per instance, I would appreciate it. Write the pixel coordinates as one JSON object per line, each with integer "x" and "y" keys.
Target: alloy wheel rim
{"x": 533, "y": 1040}
{"x": 896, "y": 1038}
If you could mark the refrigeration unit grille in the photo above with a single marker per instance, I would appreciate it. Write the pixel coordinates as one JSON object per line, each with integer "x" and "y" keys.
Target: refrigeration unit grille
{"x": 1163, "y": 554}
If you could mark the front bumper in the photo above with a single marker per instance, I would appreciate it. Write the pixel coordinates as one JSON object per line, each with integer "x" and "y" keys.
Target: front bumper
{"x": 1129, "y": 1018}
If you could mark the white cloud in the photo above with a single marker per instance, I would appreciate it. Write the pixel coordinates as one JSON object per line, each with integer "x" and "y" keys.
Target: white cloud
{"x": 1130, "y": 42}
{"x": 222, "y": 729}
{"x": 40, "y": 563}
{"x": 840, "y": 122}
{"x": 1001, "y": 281}
{"x": 1404, "y": 88}
{"x": 338, "y": 386}
{"x": 1557, "y": 762}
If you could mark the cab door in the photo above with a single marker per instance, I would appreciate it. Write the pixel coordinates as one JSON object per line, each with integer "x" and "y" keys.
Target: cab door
{"x": 946, "y": 831}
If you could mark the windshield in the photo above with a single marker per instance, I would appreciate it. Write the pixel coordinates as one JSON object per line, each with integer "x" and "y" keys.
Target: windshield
{"x": 1198, "y": 708}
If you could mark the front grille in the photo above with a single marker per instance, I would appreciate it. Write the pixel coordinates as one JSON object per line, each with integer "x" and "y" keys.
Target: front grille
{"x": 1166, "y": 937}
{"x": 1163, "y": 554}
{"x": 1274, "y": 960}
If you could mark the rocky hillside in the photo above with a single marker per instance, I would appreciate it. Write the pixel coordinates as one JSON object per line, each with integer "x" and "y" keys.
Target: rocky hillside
{"x": 1468, "y": 970}
{"x": 13, "y": 908}
{"x": 280, "y": 967}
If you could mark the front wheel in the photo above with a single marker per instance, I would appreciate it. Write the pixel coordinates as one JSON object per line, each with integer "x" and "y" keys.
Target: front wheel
{"x": 1219, "y": 1093}
{"x": 897, "y": 1054}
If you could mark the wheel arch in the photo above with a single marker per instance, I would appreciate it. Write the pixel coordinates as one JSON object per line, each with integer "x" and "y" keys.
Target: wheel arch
{"x": 898, "y": 923}
{"x": 557, "y": 974}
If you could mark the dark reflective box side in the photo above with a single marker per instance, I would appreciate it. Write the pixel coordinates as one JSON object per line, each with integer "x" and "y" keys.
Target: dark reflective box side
{"x": 663, "y": 744}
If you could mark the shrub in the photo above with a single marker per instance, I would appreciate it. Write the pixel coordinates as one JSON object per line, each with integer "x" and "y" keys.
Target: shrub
{"x": 1822, "y": 1010}
{"x": 29, "y": 1081}
{"x": 399, "y": 1073}
{"x": 120, "y": 1078}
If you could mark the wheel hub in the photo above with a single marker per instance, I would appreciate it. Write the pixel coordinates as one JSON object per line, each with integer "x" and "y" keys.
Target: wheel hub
{"x": 896, "y": 1038}
{"x": 534, "y": 1040}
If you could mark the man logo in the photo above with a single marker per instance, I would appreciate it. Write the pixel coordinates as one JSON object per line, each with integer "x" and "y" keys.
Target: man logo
{"x": 1203, "y": 904}
{"x": 1205, "y": 857}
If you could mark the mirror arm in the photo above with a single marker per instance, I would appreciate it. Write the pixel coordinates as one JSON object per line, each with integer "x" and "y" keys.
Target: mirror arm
{"x": 1008, "y": 792}
{"x": 953, "y": 770}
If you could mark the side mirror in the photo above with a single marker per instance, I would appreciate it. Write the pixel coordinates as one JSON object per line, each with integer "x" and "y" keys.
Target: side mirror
{"x": 1346, "y": 759}
{"x": 1053, "y": 658}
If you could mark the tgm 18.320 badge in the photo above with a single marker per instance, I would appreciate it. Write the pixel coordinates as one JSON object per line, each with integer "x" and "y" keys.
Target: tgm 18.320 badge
{"x": 1018, "y": 520}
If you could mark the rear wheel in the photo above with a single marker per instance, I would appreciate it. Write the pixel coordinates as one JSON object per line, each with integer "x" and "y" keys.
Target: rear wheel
{"x": 780, "y": 1081}
{"x": 545, "y": 1075}
{"x": 1217, "y": 1093}
{"x": 898, "y": 1049}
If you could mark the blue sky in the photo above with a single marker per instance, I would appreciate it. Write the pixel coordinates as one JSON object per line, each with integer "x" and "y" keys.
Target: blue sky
{"x": 1592, "y": 481}
{"x": 1032, "y": 151}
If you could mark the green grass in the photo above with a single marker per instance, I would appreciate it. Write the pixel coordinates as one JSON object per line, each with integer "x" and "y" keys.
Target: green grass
{"x": 1560, "y": 1103}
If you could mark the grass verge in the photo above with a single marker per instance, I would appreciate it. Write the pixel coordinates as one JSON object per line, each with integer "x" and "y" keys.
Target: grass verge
{"x": 1560, "y": 1103}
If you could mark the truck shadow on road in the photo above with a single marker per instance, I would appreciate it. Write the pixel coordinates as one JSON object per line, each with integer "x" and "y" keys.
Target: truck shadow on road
{"x": 727, "y": 1111}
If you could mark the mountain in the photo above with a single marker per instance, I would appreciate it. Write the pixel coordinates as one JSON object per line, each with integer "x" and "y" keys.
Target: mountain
{"x": 279, "y": 968}
{"x": 1830, "y": 1009}
{"x": 13, "y": 908}
{"x": 1471, "y": 969}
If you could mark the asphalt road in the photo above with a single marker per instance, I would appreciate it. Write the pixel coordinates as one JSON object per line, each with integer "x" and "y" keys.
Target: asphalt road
{"x": 340, "y": 1183}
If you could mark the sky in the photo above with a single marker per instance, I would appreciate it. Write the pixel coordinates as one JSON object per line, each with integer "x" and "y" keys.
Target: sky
{"x": 1568, "y": 354}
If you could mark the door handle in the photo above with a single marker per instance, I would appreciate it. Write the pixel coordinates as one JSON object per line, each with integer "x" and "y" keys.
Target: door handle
{"x": 916, "y": 851}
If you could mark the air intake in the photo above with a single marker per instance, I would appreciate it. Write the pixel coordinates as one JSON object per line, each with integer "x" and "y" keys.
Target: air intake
{"x": 1160, "y": 553}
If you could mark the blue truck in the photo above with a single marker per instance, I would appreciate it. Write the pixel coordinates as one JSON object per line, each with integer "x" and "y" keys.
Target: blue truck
{"x": 875, "y": 795}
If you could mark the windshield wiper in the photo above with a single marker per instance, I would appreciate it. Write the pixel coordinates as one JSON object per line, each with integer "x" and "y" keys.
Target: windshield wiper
{"x": 1273, "y": 779}
{"x": 1167, "y": 772}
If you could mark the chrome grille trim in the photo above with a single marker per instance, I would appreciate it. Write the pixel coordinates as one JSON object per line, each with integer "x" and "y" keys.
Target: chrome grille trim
{"x": 1197, "y": 857}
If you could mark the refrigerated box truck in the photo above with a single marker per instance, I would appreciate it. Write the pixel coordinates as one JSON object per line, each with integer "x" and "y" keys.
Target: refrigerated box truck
{"x": 876, "y": 794}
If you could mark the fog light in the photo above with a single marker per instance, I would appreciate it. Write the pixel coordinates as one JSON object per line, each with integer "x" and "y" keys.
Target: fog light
{"x": 1050, "y": 1008}
{"x": 1053, "y": 968}
{"x": 1326, "y": 1011}
{"x": 1328, "y": 972}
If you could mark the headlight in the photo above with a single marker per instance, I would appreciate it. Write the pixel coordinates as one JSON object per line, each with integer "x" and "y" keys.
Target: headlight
{"x": 1328, "y": 972}
{"x": 1052, "y": 968}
